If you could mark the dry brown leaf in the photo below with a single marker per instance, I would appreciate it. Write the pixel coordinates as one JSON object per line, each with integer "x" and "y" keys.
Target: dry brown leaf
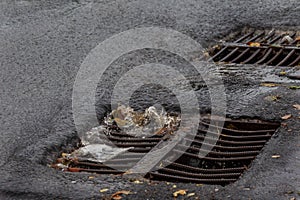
{"x": 286, "y": 116}
{"x": 74, "y": 169}
{"x": 65, "y": 155}
{"x": 116, "y": 195}
{"x": 254, "y": 44}
{"x": 297, "y": 38}
{"x": 127, "y": 172}
{"x": 269, "y": 84}
{"x": 284, "y": 124}
{"x": 297, "y": 106}
{"x": 276, "y": 156}
{"x": 179, "y": 192}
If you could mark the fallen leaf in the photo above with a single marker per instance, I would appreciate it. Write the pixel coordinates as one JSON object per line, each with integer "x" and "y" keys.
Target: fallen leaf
{"x": 272, "y": 98}
{"x": 116, "y": 195}
{"x": 232, "y": 127}
{"x": 74, "y": 169}
{"x": 65, "y": 155}
{"x": 253, "y": 44}
{"x": 199, "y": 185}
{"x": 181, "y": 192}
{"x": 286, "y": 116}
{"x": 127, "y": 172}
{"x": 282, "y": 73}
{"x": 297, "y": 38}
{"x": 297, "y": 106}
{"x": 103, "y": 190}
{"x": 284, "y": 124}
{"x": 91, "y": 177}
{"x": 294, "y": 87}
{"x": 269, "y": 84}
{"x": 206, "y": 54}
{"x": 190, "y": 194}
{"x": 276, "y": 156}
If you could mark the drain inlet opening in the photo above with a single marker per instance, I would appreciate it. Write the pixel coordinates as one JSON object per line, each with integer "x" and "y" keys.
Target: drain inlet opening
{"x": 269, "y": 47}
{"x": 240, "y": 141}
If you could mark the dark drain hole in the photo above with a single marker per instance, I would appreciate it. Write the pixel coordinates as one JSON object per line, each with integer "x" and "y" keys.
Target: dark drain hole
{"x": 270, "y": 47}
{"x": 239, "y": 143}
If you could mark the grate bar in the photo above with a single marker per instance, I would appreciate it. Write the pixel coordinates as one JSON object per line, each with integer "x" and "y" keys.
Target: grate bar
{"x": 296, "y": 61}
{"x": 234, "y": 137}
{"x": 265, "y": 56}
{"x": 240, "y": 56}
{"x": 286, "y": 58}
{"x": 197, "y": 175}
{"x": 275, "y": 57}
{"x": 201, "y": 170}
{"x": 252, "y": 56}
{"x": 224, "y": 154}
{"x": 194, "y": 180}
{"x": 213, "y": 158}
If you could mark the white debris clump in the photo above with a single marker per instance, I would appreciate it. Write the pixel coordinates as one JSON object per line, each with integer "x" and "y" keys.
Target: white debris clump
{"x": 138, "y": 124}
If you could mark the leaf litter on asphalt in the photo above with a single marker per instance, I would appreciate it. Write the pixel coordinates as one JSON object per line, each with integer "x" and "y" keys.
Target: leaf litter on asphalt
{"x": 179, "y": 192}
{"x": 117, "y": 195}
{"x": 297, "y": 106}
{"x": 286, "y": 117}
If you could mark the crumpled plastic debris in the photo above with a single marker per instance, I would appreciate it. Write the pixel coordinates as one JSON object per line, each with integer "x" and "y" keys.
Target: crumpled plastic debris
{"x": 139, "y": 124}
{"x": 98, "y": 152}
{"x": 95, "y": 136}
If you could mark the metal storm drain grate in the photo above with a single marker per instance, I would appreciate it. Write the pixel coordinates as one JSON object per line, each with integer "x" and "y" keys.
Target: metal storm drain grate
{"x": 275, "y": 48}
{"x": 240, "y": 141}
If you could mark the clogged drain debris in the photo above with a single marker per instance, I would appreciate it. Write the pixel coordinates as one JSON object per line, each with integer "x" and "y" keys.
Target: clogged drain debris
{"x": 151, "y": 122}
{"x": 240, "y": 141}
{"x": 97, "y": 145}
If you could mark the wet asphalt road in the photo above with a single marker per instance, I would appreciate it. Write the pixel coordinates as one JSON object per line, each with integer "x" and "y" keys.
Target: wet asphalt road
{"x": 43, "y": 43}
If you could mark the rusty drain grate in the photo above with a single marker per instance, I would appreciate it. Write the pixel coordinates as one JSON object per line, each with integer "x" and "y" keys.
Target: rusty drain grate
{"x": 275, "y": 48}
{"x": 238, "y": 145}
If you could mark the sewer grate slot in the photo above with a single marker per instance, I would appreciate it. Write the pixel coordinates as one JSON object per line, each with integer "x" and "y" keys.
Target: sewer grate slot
{"x": 274, "y": 48}
{"x": 239, "y": 143}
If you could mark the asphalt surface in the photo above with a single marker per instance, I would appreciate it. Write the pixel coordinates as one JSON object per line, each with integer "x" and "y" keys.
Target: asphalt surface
{"x": 42, "y": 45}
